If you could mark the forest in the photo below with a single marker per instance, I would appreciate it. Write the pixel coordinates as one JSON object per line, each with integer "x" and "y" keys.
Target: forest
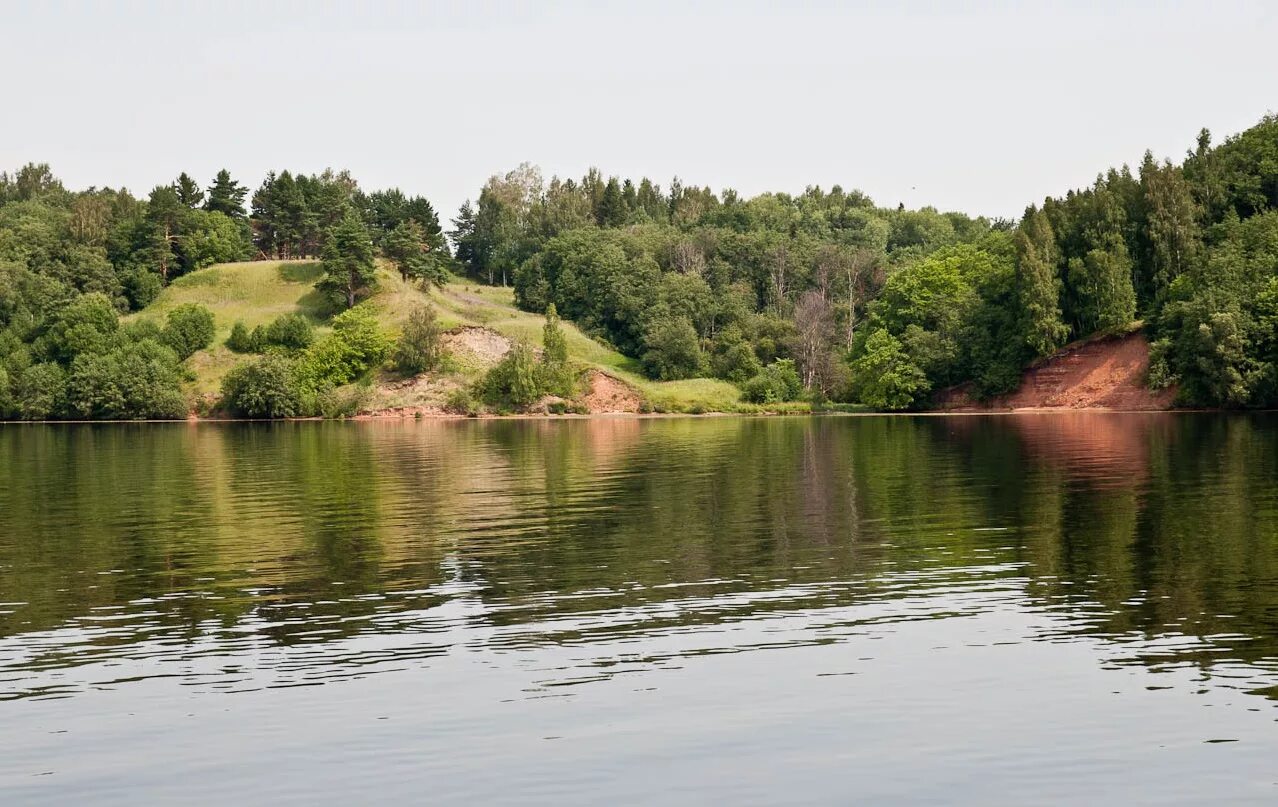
{"x": 821, "y": 296}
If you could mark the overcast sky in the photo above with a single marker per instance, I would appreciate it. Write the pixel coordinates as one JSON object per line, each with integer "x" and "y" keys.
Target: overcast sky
{"x": 982, "y": 107}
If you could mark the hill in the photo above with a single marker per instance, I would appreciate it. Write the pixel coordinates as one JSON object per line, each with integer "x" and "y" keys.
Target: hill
{"x": 1105, "y": 372}
{"x": 481, "y": 323}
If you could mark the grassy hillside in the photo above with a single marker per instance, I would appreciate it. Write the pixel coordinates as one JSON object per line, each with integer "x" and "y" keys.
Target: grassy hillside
{"x": 258, "y": 292}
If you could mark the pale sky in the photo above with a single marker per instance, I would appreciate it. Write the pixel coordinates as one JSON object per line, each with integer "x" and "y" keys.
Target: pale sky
{"x": 982, "y": 107}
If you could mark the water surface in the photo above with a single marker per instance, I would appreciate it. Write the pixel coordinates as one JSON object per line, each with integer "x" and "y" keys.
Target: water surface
{"x": 1003, "y": 610}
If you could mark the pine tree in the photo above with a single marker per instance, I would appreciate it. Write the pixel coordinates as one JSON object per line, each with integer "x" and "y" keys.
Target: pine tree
{"x": 164, "y": 214}
{"x": 1038, "y": 286}
{"x": 226, "y": 196}
{"x": 188, "y": 191}
{"x": 612, "y": 208}
{"x": 350, "y": 271}
{"x": 265, "y": 217}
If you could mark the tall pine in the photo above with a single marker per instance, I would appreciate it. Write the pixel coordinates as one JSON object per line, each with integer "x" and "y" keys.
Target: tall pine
{"x": 226, "y": 196}
{"x": 350, "y": 272}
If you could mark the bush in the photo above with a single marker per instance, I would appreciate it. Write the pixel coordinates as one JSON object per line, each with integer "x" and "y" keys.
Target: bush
{"x": 289, "y": 331}
{"x": 419, "y": 348}
{"x": 673, "y": 350}
{"x": 189, "y": 329}
{"x": 138, "y": 380}
{"x": 264, "y": 388}
{"x": 777, "y": 382}
{"x": 240, "y": 340}
{"x": 355, "y": 347}
{"x": 738, "y": 363}
{"x": 344, "y": 402}
{"x": 557, "y": 376}
{"x": 461, "y": 402}
{"x": 516, "y": 380}
{"x": 141, "y": 287}
{"x": 86, "y": 325}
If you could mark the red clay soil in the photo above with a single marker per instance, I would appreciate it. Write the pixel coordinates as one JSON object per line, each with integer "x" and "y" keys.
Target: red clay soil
{"x": 607, "y": 395}
{"x": 1102, "y": 373}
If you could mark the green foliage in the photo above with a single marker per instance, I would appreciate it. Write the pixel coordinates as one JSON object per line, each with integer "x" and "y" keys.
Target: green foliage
{"x": 461, "y": 402}
{"x": 86, "y": 325}
{"x": 356, "y": 346}
{"x": 189, "y": 328}
{"x": 40, "y": 391}
{"x": 1038, "y": 285}
{"x": 226, "y": 196}
{"x": 515, "y": 381}
{"x": 141, "y": 287}
{"x": 672, "y": 350}
{"x": 349, "y": 269}
{"x": 240, "y": 340}
{"x": 557, "y": 375}
{"x": 1102, "y": 286}
{"x": 884, "y": 377}
{"x": 289, "y": 331}
{"x": 776, "y": 383}
{"x": 1219, "y": 323}
{"x": 138, "y": 380}
{"x": 419, "y": 348}
{"x": 736, "y": 362}
{"x": 263, "y": 388}
{"x": 409, "y": 246}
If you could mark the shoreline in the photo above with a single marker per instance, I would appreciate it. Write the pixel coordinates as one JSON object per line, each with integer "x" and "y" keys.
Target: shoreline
{"x": 444, "y": 416}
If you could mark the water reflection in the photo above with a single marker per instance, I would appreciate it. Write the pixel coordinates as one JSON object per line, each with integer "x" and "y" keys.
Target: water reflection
{"x": 245, "y": 557}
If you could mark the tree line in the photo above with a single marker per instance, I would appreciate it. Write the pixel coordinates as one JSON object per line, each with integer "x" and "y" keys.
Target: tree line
{"x": 885, "y": 306}
{"x": 73, "y": 262}
{"x": 822, "y": 294}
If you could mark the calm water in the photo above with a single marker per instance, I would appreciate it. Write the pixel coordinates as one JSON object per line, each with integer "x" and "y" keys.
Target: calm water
{"x": 1017, "y": 610}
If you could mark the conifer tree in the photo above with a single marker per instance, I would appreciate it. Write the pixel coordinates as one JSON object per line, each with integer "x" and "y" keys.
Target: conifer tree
{"x": 612, "y": 208}
{"x": 226, "y": 196}
{"x": 1038, "y": 286}
{"x": 349, "y": 268}
{"x": 188, "y": 191}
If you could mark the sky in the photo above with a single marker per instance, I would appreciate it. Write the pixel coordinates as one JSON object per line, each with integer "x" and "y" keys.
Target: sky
{"x": 982, "y": 107}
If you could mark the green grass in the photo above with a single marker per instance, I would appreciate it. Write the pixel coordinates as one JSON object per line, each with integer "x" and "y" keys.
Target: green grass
{"x": 259, "y": 291}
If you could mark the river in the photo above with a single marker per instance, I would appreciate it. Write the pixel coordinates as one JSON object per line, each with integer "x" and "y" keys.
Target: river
{"x": 1072, "y": 608}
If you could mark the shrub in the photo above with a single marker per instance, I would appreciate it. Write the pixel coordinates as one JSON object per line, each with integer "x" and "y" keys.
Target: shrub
{"x": 419, "y": 348}
{"x": 673, "y": 350}
{"x": 141, "y": 287}
{"x": 139, "y": 380}
{"x": 289, "y": 331}
{"x": 556, "y": 374}
{"x": 516, "y": 380}
{"x": 240, "y": 340}
{"x": 263, "y": 388}
{"x": 355, "y": 346}
{"x": 777, "y": 382}
{"x": 86, "y": 325}
{"x": 738, "y": 363}
{"x": 344, "y": 402}
{"x": 189, "y": 328}
{"x": 461, "y": 402}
